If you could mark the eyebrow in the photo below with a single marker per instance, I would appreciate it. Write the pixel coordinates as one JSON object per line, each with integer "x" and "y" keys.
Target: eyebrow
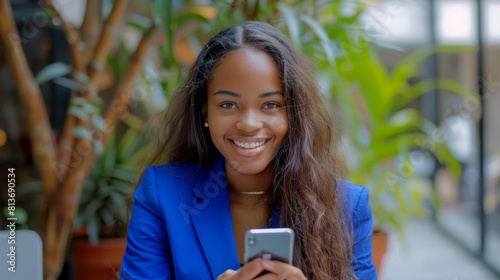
{"x": 262, "y": 95}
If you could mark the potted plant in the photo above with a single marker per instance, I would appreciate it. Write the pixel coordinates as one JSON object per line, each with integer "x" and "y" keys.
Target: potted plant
{"x": 391, "y": 143}
{"x": 102, "y": 216}
{"x": 62, "y": 166}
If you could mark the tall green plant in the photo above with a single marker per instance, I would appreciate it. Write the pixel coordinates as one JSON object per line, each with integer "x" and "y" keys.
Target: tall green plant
{"x": 103, "y": 202}
{"x": 389, "y": 137}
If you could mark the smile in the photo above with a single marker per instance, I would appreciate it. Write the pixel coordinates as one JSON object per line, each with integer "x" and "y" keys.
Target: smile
{"x": 249, "y": 145}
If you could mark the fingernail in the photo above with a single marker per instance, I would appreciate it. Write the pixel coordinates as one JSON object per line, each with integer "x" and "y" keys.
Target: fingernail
{"x": 268, "y": 263}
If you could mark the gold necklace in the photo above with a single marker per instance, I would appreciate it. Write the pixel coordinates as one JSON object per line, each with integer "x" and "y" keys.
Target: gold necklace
{"x": 254, "y": 193}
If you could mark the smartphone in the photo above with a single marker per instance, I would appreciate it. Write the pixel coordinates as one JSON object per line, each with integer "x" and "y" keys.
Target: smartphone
{"x": 269, "y": 243}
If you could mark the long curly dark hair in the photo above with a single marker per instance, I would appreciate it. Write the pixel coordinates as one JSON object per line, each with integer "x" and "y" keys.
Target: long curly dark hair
{"x": 308, "y": 163}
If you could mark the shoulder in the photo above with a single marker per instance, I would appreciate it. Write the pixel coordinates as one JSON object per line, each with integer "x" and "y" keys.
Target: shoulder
{"x": 173, "y": 173}
{"x": 171, "y": 181}
{"x": 354, "y": 196}
{"x": 173, "y": 170}
{"x": 358, "y": 209}
{"x": 355, "y": 200}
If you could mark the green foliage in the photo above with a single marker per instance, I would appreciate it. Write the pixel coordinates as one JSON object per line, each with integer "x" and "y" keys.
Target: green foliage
{"x": 385, "y": 131}
{"x": 87, "y": 111}
{"x": 103, "y": 204}
{"x": 52, "y": 71}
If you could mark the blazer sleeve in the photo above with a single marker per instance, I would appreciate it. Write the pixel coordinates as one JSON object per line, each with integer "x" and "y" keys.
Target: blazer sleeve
{"x": 362, "y": 247}
{"x": 147, "y": 255}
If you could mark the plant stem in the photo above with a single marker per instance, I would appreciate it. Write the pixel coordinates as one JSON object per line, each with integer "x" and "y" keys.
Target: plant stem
{"x": 105, "y": 42}
{"x": 72, "y": 36}
{"x": 38, "y": 124}
{"x": 91, "y": 27}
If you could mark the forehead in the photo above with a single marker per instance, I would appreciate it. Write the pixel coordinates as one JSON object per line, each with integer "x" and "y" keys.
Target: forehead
{"x": 245, "y": 70}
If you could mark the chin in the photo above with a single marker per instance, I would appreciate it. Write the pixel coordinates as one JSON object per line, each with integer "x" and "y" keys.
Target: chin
{"x": 250, "y": 168}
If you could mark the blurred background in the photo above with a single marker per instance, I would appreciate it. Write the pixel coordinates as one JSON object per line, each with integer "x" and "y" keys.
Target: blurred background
{"x": 415, "y": 82}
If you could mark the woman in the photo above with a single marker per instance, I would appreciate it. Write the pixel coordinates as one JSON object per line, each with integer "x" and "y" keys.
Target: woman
{"x": 248, "y": 144}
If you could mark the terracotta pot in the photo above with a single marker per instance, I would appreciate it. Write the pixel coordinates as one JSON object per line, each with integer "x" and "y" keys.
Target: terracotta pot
{"x": 80, "y": 233}
{"x": 97, "y": 262}
{"x": 379, "y": 243}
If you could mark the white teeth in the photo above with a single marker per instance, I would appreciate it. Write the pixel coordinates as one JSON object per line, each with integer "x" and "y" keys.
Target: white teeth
{"x": 249, "y": 145}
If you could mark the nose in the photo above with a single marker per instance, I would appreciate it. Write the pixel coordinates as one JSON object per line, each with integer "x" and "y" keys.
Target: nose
{"x": 249, "y": 121}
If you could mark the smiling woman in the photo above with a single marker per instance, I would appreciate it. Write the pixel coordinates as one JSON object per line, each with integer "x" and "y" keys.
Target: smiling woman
{"x": 246, "y": 115}
{"x": 248, "y": 143}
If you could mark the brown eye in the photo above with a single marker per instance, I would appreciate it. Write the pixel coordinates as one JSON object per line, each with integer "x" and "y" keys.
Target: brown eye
{"x": 271, "y": 105}
{"x": 227, "y": 105}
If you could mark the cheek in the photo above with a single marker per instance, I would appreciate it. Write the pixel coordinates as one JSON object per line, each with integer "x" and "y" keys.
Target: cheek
{"x": 217, "y": 128}
{"x": 279, "y": 125}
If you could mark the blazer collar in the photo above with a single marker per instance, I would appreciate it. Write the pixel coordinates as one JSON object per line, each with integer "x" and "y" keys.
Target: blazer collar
{"x": 213, "y": 223}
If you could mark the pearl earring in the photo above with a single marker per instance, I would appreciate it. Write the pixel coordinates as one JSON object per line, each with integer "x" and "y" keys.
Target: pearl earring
{"x": 206, "y": 124}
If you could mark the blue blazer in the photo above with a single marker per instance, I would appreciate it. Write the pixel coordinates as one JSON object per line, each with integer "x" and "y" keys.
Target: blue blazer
{"x": 181, "y": 226}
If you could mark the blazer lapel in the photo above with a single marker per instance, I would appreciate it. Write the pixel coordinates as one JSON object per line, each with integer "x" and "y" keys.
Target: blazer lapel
{"x": 213, "y": 222}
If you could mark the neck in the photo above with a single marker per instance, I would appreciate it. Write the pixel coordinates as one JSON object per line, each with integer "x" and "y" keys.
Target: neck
{"x": 250, "y": 189}
{"x": 249, "y": 200}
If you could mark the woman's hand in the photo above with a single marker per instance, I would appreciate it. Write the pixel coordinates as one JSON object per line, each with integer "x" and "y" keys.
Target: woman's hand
{"x": 277, "y": 270}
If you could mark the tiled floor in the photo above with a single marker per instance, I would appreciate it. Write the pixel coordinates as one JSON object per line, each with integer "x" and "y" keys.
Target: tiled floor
{"x": 428, "y": 255}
